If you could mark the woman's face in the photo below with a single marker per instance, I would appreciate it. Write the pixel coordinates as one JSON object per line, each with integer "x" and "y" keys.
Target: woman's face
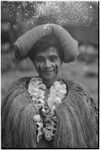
{"x": 47, "y": 63}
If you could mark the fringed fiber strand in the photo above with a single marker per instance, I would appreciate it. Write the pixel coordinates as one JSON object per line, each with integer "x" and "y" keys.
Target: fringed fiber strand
{"x": 75, "y": 128}
{"x": 18, "y": 128}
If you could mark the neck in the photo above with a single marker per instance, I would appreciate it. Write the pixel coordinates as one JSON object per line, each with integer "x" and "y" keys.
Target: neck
{"x": 49, "y": 82}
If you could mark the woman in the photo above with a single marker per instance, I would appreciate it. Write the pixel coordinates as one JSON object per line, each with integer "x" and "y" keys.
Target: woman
{"x": 47, "y": 111}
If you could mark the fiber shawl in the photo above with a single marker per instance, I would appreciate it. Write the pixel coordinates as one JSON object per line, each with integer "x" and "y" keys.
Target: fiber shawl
{"x": 77, "y": 119}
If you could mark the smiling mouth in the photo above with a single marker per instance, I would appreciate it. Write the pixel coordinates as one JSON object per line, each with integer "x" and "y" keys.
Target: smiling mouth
{"x": 47, "y": 71}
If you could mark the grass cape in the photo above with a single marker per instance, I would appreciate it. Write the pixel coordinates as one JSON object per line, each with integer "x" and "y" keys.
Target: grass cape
{"x": 77, "y": 119}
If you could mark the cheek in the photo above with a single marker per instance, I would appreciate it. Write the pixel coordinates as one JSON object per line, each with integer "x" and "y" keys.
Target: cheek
{"x": 57, "y": 64}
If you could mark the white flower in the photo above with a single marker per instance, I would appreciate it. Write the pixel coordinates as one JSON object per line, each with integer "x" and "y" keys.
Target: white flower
{"x": 41, "y": 93}
{"x": 33, "y": 94}
{"x": 61, "y": 95}
{"x": 50, "y": 102}
{"x": 41, "y": 101}
{"x": 39, "y": 134}
{"x": 53, "y": 102}
{"x": 40, "y": 124}
{"x": 57, "y": 85}
{"x": 57, "y": 101}
{"x": 42, "y": 86}
{"x": 63, "y": 91}
{"x": 37, "y": 118}
{"x": 34, "y": 84}
{"x": 48, "y": 135}
{"x": 31, "y": 89}
{"x": 57, "y": 93}
{"x": 33, "y": 98}
{"x": 54, "y": 107}
{"x": 52, "y": 89}
{"x": 64, "y": 86}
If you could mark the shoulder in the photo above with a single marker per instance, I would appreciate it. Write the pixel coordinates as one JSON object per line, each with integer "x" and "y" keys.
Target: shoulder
{"x": 21, "y": 82}
{"x": 80, "y": 94}
{"x": 17, "y": 89}
{"x": 74, "y": 85}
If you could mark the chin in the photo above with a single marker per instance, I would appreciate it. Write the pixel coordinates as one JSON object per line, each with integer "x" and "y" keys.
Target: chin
{"x": 49, "y": 77}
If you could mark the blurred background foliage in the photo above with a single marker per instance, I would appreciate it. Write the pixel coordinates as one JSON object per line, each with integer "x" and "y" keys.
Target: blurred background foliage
{"x": 80, "y": 19}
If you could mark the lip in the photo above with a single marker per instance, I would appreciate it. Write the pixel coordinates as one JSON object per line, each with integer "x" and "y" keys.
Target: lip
{"x": 47, "y": 71}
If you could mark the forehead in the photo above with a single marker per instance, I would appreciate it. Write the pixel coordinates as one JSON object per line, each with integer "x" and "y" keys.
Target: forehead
{"x": 47, "y": 52}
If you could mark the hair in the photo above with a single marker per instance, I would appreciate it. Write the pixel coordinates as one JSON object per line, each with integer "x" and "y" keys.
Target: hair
{"x": 43, "y": 44}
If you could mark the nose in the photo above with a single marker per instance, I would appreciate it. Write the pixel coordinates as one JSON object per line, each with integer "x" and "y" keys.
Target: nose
{"x": 47, "y": 64}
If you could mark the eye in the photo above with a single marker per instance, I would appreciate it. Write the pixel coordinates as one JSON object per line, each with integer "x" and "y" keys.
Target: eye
{"x": 53, "y": 58}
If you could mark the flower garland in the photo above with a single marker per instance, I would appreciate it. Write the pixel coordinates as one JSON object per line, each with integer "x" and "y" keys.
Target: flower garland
{"x": 46, "y": 119}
